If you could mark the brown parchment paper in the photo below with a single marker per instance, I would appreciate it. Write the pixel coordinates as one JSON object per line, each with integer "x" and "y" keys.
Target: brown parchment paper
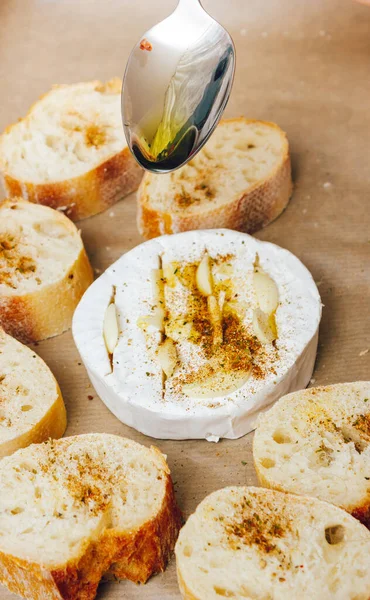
{"x": 304, "y": 64}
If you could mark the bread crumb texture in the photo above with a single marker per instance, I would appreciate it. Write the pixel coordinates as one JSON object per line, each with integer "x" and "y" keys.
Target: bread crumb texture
{"x": 38, "y": 246}
{"x": 69, "y": 131}
{"x": 28, "y": 396}
{"x": 240, "y": 180}
{"x": 317, "y": 442}
{"x": 255, "y": 543}
{"x": 43, "y": 265}
{"x": 70, "y": 152}
{"x": 84, "y": 506}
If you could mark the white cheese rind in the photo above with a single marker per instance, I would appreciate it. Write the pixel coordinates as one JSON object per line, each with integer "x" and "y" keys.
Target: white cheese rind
{"x": 133, "y": 390}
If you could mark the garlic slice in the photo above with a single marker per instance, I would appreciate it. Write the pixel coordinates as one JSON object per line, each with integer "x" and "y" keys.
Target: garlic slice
{"x": 156, "y": 320}
{"x": 110, "y": 328}
{"x": 266, "y": 291}
{"x": 167, "y": 356}
{"x": 264, "y": 326}
{"x": 219, "y": 384}
{"x": 178, "y": 328}
{"x": 158, "y": 286}
{"x": 169, "y": 274}
{"x": 221, "y": 299}
{"x": 216, "y": 319}
{"x": 203, "y": 276}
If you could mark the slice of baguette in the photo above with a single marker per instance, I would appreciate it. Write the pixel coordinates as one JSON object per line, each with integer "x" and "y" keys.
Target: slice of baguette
{"x": 240, "y": 180}
{"x": 31, "y": 404}
{"x": 70, "y": 151}
{"x": 256, "y": 544}
{"x": 317, "y": 442}
{"x": 44, "y": 270}
{"x": 74, "y": 509}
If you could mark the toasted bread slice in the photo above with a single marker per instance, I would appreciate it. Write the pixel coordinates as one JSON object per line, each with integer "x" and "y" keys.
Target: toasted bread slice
{"x": 240, "y": 180}
{"x": 70, "y": 151}
{"x": 44, "y": 270}
{"x": 31, "y": 404}
{"x": 74, "y": 509}
{"x": 256, "y": 544}
{"x": 317, "y": 442}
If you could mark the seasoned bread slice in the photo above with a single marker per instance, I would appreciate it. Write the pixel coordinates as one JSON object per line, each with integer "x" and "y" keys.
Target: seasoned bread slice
{"x": 74, "y": 509}
{"x": 44, "y": 270}
{"x": 70, "y": 151}
{"x": 31, "y": 404}
{"x": 240, "y": 180}
{"x": 317, "y": 442}
{"x": 256, "y": 544}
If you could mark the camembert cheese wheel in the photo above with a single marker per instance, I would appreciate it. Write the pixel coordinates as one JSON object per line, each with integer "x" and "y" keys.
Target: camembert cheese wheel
{"x": 192, "y": 335}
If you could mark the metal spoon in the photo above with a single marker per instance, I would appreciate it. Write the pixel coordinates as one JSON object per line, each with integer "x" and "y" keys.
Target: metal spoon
{"x": 176, "y": 86}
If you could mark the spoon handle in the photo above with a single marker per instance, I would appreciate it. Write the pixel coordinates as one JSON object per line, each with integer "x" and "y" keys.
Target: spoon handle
{"x": 192, "y": 8}
{"x": 189, "y": 3}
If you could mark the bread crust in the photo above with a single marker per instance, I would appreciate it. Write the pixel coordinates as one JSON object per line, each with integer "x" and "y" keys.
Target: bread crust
{"x": 46, "y": 312}
{"x": 262, "y": 203}
{"x": 136, "y": 556}
{"x": 85, "y": 195}
{"x": 361, "y": 512}
{"x": 52, "y": 425}
{"x": 149, "y": 550}
{"x": 88, "y": 194}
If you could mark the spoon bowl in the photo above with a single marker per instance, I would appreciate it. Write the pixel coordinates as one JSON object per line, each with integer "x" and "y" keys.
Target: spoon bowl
{"x": 176, "y": 86}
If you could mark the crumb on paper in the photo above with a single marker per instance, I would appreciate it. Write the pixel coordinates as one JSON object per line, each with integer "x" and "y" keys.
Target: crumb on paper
{"x": 66, "y": 208}
{"x": 327, "y": 185}
{"x": 212, "y": 438}
{"x": 146, "y": 45}
{"x": 90, "y": 397}
{"x": 325, "y": 34}
{"x": 111, "y": 214}
{"x": 363, "y": 352}
{"x": 97, "y": 271}
{"x": 312, "y": 380}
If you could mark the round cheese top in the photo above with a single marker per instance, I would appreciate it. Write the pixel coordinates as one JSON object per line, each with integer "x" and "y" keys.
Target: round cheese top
{"x": 212, "y": 327}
